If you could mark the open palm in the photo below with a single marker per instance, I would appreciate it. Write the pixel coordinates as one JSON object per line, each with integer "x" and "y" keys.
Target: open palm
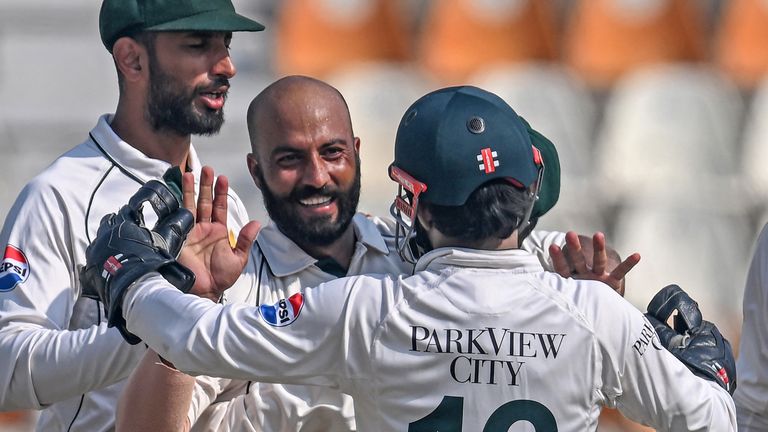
{"x": 208, "y": 251}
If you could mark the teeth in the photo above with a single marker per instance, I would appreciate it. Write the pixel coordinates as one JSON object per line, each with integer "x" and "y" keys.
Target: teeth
{"x": 315, "y": 201}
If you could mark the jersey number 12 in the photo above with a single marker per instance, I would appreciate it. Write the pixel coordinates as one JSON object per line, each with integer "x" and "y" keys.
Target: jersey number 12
{"x": 449, "y": 416}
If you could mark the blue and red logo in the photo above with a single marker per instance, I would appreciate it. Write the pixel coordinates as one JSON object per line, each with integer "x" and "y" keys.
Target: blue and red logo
{"x": 284, "y": 312}
{"x": 14, "y": 268}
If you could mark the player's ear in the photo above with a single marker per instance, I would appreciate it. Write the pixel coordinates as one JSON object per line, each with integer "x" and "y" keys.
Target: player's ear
{"x": 357, "y": 145}
{"x": 128, "y": 55}
{"x": 255, "y": 169}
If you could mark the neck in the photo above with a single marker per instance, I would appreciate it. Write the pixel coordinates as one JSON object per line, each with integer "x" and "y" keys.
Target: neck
{"x": 131, "y": 126}
{"x": 484, "y": 244}
{"x": 340, "y": 250}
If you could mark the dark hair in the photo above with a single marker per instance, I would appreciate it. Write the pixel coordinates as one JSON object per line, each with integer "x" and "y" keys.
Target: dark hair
{"x": 495, "y": 209}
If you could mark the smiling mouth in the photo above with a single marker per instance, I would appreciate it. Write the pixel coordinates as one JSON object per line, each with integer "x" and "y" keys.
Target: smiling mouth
{"x": 316, "y": 201}
{"x": 214, "y": 95}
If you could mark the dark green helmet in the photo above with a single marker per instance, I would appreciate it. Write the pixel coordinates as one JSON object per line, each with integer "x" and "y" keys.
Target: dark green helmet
{"x": 454, "y": 140}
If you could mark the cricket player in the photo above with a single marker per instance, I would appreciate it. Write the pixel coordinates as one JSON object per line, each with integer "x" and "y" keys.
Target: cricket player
{"x": 752, "y": 395}
{"x": 304, "y": 150}
{"x": 173, "y": 67}
{"x": 478, "y": 338}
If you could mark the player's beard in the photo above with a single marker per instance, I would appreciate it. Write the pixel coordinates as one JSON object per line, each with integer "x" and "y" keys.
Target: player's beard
{"x": 171, "y": 106}
{"x": 319, "y": 231}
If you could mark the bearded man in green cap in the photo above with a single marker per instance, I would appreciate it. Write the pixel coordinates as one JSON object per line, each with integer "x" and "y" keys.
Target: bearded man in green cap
{"x": 173, "y": 66}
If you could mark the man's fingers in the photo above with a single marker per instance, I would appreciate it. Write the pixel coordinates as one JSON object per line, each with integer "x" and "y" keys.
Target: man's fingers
{"x": 599, "y": 254}
{"x": 246, "y": 238}
{"x": 559, "y": 262}
{"x": 221, "y": 189}
{"x": 205, "y": 197}
{"x": 188, "y": 192}
{"x": 628, "y": 264}
{"x": 574, "y": 253}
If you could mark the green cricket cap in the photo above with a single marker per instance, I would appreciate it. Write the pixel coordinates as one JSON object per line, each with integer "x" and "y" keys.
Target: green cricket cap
{"x": 549, "y": 189}
{"x": 120, "y": 18}
{"x": 456, "y": 139}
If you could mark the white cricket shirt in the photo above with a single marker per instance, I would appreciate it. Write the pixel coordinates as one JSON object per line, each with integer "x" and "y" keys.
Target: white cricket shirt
{"x": 57, "y": 351}
{"x": 474, "y": 339}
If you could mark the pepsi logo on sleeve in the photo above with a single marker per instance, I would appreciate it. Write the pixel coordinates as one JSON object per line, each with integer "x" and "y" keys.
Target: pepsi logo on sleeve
{"x": 284, "y": 312}
{"x": 14, "y": 269}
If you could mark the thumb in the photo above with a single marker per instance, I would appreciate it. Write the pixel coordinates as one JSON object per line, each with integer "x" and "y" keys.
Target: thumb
{"x": 246, "y": 238}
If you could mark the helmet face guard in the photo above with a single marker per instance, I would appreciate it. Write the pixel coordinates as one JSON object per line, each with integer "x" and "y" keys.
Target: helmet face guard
{"x": 404, "y": 209}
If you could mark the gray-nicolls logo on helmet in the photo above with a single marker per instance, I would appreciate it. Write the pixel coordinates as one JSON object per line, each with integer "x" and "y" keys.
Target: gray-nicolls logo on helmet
{"x": 451, "y": 143}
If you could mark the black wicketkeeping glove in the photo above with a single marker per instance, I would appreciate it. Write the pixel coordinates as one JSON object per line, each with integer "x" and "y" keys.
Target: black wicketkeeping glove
{"x": 694, "y": 341}
{"x": 124, "y": 250}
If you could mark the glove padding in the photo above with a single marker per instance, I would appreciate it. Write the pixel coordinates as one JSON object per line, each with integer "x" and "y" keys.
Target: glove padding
{"x": 695, "y": 342}
{"x": 124, "y": 250}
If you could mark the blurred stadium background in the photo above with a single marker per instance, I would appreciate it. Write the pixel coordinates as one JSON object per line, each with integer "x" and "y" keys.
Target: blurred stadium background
{"x": 656, "y": 107}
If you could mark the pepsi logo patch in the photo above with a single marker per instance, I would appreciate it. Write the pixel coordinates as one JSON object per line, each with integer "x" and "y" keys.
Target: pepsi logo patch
{"x": 14, "y": 269}
{"x": 284, "y": 312}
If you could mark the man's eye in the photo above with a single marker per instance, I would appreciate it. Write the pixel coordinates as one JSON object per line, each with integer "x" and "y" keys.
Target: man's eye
{"x": 287, "y": 159}
{"x": 333, "y": 152}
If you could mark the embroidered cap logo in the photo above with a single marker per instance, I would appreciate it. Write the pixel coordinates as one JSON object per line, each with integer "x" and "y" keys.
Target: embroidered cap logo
{"x": 488, "y": 158}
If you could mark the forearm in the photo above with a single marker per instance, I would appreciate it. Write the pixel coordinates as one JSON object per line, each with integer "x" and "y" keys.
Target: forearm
{"x": 712, "y": 409}
{"x": 44, "y": 366}
{"x": 676, "y": 400}
{"x": 226, "y": 338}
{"x": 156, "y": 398}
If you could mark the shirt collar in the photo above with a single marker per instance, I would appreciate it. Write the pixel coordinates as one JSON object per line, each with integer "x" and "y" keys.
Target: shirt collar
{"x": 512, "y": 259}
{"x": 285, "y": 257}
{"x": 131, "y": 159}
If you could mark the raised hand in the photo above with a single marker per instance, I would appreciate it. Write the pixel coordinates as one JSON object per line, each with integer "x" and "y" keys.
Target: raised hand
{"x": 575, "y": 260}
{"x": 208, "y": 251}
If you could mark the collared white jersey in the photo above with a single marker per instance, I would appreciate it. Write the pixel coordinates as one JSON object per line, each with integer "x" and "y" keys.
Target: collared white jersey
{"x": 57, "y": 351}
{"x": 279, "y": 268}
{"x": 472, "y": 341}
{"x": 752, "y": 391}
